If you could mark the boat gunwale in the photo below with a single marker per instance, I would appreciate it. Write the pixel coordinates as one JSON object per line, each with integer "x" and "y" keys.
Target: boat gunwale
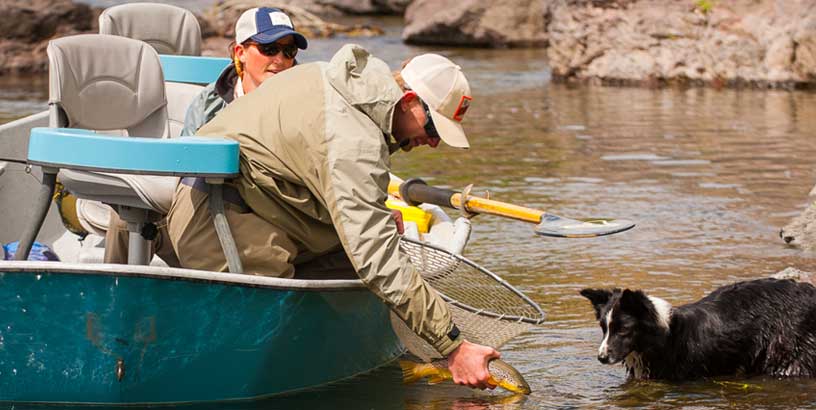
{"x": 192, "y": 275}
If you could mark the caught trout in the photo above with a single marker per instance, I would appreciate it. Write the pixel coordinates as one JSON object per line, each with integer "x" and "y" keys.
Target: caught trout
{"x": 501, "y": 374}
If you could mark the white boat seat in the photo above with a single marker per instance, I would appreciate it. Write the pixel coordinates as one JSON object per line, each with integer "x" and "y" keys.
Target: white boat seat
{"x": 179, "y": 97}
{"x": 213, "y": 160}
{"x": 151, "y": 192}
{"x": 168, "y": 29}
{"x": 103, "y": 82}
{"x": 109, "y": 83}
{"x": 106, "y": 83}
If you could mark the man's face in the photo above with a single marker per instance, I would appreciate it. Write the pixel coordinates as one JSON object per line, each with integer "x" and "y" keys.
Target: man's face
{"x": 259, "y": 66}
{"x": 413, "y": 129}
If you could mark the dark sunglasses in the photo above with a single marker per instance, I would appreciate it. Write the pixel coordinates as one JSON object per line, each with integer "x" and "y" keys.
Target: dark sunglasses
{"x": 430, "y": 129}
{"x": 272, "y": 49}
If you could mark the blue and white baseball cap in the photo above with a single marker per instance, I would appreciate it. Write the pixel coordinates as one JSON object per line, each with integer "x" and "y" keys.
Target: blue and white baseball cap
{"x": 266, "y": 25}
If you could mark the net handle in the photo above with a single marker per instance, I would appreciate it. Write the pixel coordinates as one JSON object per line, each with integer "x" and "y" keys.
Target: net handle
{"x": 482, "y": 312}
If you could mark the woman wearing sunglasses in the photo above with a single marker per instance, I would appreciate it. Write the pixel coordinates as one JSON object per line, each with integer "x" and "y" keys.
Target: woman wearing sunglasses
{"x": 266, "y": 43}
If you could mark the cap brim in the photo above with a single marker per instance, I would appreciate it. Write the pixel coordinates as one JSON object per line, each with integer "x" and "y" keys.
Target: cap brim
{"x": 450, "y": 131}
{"x": 271, "y": 37}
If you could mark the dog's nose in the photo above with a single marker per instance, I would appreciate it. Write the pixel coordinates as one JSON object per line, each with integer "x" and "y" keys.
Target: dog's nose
{"x": 786, "y": 238}
{"x": 603, "y": 358}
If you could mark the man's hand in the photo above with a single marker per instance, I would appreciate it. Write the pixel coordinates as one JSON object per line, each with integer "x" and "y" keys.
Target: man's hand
{"x": 397, "y": 215}
{"x": 468, "y": 365}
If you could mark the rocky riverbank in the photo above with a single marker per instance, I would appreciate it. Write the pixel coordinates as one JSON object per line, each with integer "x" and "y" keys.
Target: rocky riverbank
{"x": 766, "y": 43}
{"x": 763, "y": 43}
{"x": 28, "y": 25}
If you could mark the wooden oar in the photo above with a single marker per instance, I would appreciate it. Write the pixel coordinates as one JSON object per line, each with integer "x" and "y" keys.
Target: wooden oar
{"x": 415, "y": 191}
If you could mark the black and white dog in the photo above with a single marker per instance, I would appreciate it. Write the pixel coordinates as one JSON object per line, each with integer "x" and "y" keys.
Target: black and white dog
{"x": 765, "y": 326}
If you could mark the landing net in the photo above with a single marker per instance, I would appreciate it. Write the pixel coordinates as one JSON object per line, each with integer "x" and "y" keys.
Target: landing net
{"x": 486, "y": 309}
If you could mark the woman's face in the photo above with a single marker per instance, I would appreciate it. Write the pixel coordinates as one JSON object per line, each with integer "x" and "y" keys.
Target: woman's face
{"x": 259, "y": 66}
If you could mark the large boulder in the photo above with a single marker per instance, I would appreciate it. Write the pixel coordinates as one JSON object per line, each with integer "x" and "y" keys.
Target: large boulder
{"x": 757, "y": 42}
{"x": 477, "y": 23}
{"x": 218, "y": 22}
{"x": 27, "y": 25}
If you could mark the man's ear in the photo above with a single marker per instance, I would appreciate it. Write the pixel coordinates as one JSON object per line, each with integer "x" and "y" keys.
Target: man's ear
{"x": 405, "y": 101}
{"x": 598, "y": 297}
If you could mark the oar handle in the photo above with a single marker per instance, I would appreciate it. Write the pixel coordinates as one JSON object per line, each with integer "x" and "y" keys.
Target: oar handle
{"x": 415, "y": 191}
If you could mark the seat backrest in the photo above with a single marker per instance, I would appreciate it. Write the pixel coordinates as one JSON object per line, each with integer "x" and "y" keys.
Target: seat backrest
{"x": 179, "y": 97}
{"x": 103, "y": 82}
{"x": 169, "y": 29}
{"x": 185, "y": 77}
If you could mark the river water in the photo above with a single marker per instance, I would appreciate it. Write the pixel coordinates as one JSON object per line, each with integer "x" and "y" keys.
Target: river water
{"x": 708, "y": 175}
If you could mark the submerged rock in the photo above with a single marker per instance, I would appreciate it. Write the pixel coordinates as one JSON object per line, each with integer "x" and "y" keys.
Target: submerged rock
{"x": 800, "y": 232}
{"x": 795, "y": 274}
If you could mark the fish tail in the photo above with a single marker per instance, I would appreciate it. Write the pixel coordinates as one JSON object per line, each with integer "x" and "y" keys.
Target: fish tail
{"x": 409, "y": 371}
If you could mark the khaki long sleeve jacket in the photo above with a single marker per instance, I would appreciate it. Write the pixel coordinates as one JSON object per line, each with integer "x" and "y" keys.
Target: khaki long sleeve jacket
{"x": 315, "y": 162}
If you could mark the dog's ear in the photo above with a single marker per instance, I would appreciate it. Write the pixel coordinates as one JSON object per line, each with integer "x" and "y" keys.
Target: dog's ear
{"x": 598, "y": 297}
{"x": 635, "y": 302}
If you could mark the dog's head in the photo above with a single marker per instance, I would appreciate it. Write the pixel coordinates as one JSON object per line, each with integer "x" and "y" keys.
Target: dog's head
{"x": 630, "y": 320}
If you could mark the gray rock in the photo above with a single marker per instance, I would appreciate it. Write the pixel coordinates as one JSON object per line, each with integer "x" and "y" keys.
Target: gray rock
{"x": 758, "y": 42}
{"x": 218, "y": 23}
{"x": 800, "y": 232}
{"x": 795, "y": 274}
{"x": 477, "y": 23}
{"x": 28, "y": 25}
{"x": 392, "y": 7}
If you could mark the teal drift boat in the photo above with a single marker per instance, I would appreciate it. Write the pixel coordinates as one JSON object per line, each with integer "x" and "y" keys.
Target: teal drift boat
{"x": 81, "y": 331}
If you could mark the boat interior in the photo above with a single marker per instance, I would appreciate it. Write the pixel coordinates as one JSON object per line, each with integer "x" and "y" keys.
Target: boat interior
{"x": 130, "y": 86}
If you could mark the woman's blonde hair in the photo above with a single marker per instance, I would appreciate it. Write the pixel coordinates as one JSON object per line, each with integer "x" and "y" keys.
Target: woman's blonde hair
{"x": 239, "y": 68}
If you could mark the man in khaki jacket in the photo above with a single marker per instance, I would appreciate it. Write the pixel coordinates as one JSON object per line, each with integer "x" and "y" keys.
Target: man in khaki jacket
{"x": 315, "y": 144}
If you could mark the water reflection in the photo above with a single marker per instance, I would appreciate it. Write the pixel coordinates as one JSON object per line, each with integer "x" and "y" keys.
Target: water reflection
{"x": 709, "y": 176}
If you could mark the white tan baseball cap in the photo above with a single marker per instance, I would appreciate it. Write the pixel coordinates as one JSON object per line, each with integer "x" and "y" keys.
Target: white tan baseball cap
{"x": 442, "y": 85}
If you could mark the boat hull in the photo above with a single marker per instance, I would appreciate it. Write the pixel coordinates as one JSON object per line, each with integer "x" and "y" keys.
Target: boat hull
{"x": 100, "y": 336}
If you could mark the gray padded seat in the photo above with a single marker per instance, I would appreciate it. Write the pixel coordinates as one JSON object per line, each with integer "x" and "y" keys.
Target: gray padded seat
{"x": 179, "y": 97}
{"x": 169, "y": 29}
{"x": 109, "y": 84}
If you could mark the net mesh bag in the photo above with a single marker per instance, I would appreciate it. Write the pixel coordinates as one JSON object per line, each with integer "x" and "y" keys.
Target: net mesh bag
{"x": 486, "y": 309}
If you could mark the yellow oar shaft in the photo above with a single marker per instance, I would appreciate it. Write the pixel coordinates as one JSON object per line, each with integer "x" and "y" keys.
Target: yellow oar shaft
{"x": 488, "y": 206}
{"x": 476, "y": 204}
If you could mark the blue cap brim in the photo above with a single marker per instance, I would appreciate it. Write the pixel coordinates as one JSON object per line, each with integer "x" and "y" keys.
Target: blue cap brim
{"x": 273, "y": 36}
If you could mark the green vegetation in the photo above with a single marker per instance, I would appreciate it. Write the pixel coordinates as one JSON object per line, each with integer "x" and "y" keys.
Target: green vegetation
{"x": 704, "y": 6}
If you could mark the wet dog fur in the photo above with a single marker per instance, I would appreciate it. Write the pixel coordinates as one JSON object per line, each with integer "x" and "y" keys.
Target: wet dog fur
{"x": 759, "y": 327}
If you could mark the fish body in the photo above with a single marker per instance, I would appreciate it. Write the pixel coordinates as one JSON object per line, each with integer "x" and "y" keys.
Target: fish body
{"x": 501, "y": 374}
